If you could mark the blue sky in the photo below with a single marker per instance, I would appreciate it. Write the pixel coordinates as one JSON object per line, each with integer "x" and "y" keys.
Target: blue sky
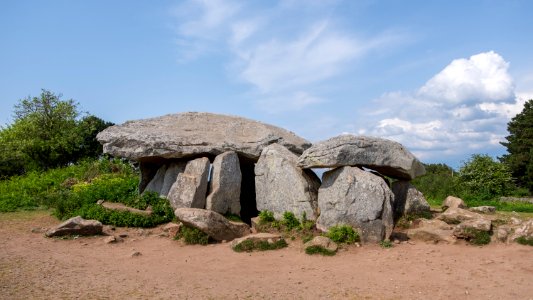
{"x": 441, "y": 77}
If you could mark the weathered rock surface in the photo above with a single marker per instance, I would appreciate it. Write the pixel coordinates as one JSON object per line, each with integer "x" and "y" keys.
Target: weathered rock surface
{"x": 190, "y": 188}
{"x": 525, "y": 229}
{"x": 76, "y": 226}
{"x": 457, "y": 215}
{"x": 212, "y": 223}
{"x": 387, "y": 157}
{"x": 225, "y": 184}
{"x": 408, "y": 200}
{"x": 351, "y": 196}
{"x": 280, "y": 185}
{"x": 502, "y": 233}
{"x": 194, "y": 134}
{"x": 323, "y": 242}
{"x": 461, "y": 230}
{"x": 156, "y": 183}
{"x": 453, "y": 202}
{"x": 121, "y": 207}
{"x": 434, "y": 231}
{"x": 485, "y": 209}
{"x": 172, "y": 229}
{"x": 257, "y": 237}
{"x": 171, "y": 175}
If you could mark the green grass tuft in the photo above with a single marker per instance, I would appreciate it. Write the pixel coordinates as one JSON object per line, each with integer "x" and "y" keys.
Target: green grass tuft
{"x": 528, "y": 241}
{"x": 476, "y": 236}
{"x": 192, "y": 236}
{"x": 386, "y": 244}
{"x": 343, "y": 234}
{"x": 251, "y": 245}
{"x": 316, "y": 249}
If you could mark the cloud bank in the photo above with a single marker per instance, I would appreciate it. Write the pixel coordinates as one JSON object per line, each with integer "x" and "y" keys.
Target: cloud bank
{"x": 462, "y": 109}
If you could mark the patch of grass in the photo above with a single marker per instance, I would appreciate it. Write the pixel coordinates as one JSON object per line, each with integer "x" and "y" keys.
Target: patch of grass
{"x": 251, "y": 245}
{"x": 476, "y": 236}
{"x": 343, "y": 234}
{"x": 307, "y": 237}
{"x": 290, "y": 221}
{"x": 192, "y": 236}
{"x": 233, "y": 217}
{"x": 316, "y": 249}
{"x": 528, "y": 241}
{"x": 386, "y": 244}
{"x": 266, "y": 216}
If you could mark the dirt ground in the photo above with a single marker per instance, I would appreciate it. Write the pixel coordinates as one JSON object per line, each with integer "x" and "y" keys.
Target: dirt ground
{"x": 35, "y": 267}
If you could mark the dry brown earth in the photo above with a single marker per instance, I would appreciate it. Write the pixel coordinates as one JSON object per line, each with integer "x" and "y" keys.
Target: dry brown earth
{"x": 35, "y": 267}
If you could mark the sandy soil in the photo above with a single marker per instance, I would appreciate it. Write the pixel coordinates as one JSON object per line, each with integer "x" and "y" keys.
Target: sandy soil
{"x": 35, "y": 267}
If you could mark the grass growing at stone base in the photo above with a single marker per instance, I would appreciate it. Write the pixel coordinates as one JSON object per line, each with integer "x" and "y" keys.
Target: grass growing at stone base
{"x": 343, "y": 234}
{"x": 386, "y": 244}
{"x": 476, "y": 236}
{"x": 528, "y": 241}
{"x": 251, "y": 245}
{"x": 316, "y": 249}
{"x": 192, "y": 236}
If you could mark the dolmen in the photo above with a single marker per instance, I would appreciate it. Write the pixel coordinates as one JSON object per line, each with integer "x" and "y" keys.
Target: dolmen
{"x": 233, "y": 165}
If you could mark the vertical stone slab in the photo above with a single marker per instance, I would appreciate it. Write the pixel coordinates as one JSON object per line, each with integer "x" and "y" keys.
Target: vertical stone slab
{"x": 156, "y": 183}
{"x": 225, "y": 184}
{"x": 407, "y": 199}
{"x": 282, "y": 186}
{"x": 351, "y": 196}
{"x": 171, "y": 175}
{"x": 190, "y": 188}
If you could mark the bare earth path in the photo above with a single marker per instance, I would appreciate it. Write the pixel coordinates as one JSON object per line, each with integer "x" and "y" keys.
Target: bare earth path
{"x": 35, "y": 267}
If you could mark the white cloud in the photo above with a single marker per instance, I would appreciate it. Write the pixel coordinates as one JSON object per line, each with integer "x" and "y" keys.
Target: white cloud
{"x": 276, "y": 59}
{"x": 463, "y": 109}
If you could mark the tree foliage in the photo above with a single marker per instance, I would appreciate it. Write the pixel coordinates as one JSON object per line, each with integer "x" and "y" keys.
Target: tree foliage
{"x": 47, "y": 132}
{"x": 519, "y": 146}
{"x": 438, "y": 182}
{"x": 484, "y": 176}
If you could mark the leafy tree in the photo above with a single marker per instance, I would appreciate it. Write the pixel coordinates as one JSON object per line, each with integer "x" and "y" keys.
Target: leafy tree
{"x": 520, "y": 147}
{"x": 47, "y": 133}
{"x": 438, "y": 183}
{"x": 484, "y": 177}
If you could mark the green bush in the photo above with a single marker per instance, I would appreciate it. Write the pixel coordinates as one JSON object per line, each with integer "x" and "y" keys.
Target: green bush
{"x": 343, "y": 234}
{"x": 193, "y": 236}
{"x": 476, "y": 236}
{"x": 316, "y": 249}
{"x": 290, "y": 221}
{"x": 525, "y": 240}
{"x": 385, "y": 244}
{"x": 251, "y": 245}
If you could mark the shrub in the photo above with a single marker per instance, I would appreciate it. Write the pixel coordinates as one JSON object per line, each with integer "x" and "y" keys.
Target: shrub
{"x": 251, "y": 245}
{"x": 290, "y": 221}
{"x": 316, "y": 249}
{"x": 525, "y": 240}
{"x": 343, "y": 234}
{"x": 476, "y": 236}
{"x": 385, "y": 244}
{"x": 193, "y": 236}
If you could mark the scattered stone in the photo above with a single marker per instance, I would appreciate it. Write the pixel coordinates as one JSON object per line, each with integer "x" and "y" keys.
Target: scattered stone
{"x": 135, "y": 254}
{"x": 123, "y": 235}
{"x": 502, "y": 233}
{"x": 225, "y": 184}
{"x": 517, "y": 199}
{"x": 323, "y": 242}
{"x": 434, "y": 231}
{"x": 453, "y": 202}
{"x": 523, "y": 230}
{"x": 282, "y": 186}
{"x": 351, "y": 196}
{"x": 172, "y": 229}
{"x": 396, "y": 242}
{"x": 387, "y": 157}
{"x": 76, "y": 226}
{"x": 458, "y": 215}
{"x": 212, "y": 223}
{"x": 190, "y": 187}
{"x": 484, "y": 209}
{"x": 408, "y": 200}
{"x": 121, "y": 207}
{"x": 112, "y": 239}
{"x": 263, "y": 237}
{"x": 462, "y": 229}
{"x": 193, "y": 134}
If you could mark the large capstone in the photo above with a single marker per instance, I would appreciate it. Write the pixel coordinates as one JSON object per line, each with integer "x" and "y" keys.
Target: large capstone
{"x": 194, "y": 134}
{"x": 225, "y": 184}
{"x": 190, "y": 188}
{"x": 282, "y": 186}
{"x": 387, "y": 157}
{"x": 351, "y": 196}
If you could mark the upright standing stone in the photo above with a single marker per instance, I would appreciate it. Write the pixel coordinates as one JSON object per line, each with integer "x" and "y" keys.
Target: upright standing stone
{"x": 171, "y": 175}
{"x": 351, "y": 196}
{"x": 225, "y": 184}
{"x": 190, "y": 188}
{"x": 408, "y": 200}
{"x": 282, "y": 186}
{"x": 156, "y": 183}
